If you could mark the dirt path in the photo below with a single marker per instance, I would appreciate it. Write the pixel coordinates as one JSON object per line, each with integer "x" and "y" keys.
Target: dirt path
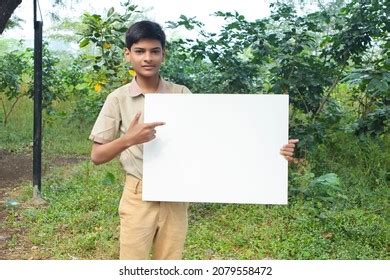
{"x": 16, "y": 168}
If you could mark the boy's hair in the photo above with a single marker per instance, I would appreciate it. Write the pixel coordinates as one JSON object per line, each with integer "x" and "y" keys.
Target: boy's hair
{"x": 144, "y": 29}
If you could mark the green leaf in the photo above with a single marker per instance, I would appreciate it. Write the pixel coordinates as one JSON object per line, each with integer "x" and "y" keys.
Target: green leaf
{"x": 109, "y": 179}
{"x": 377, "y": 85}
{"x": 84, "y": 42}
{"x": 330, "y": 180}
{"x": 110, "y": 12}
{"x": 81, "y": 86}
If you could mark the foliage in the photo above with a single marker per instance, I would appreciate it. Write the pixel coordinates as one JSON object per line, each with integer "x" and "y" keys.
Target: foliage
{"x": 107, "y": 35}
{"x": 51, "y": 81}
{"x": 199, "y": 76}
{"x": 304, "y": 56}
{"x": 61, "y": 137}
{"x": 223, "y": 54}
{"x": 105, "y": 69}
{"x": 372, "y": 92}
{"x": 16, "y": 81}
{"x": 13, "y": 22}
{"x": 86, "y": 101}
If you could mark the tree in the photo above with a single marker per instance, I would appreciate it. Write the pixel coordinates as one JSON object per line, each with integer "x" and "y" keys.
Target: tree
{"x": 15, "y": 82}
{"x": 7, "y": 7}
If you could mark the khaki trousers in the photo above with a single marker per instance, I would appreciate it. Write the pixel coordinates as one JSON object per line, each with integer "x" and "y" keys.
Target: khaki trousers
{"x": 146, "y": 225}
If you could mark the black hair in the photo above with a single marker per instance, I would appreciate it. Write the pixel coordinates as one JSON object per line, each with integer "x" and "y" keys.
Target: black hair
{"x": 144, "y": 29}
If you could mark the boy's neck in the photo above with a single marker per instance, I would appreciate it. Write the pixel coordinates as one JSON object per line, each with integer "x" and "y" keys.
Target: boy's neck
{"x": 148, "y": 84}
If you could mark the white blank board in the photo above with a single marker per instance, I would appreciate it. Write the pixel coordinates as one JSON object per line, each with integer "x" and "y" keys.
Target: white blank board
{"x": 216, "y": 148}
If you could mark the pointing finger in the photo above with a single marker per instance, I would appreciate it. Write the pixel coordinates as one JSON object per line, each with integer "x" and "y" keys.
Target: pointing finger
{"x": 154, "y": 124}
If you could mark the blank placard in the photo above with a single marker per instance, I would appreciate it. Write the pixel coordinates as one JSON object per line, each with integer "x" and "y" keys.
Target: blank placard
{"x": 216, "y": 148}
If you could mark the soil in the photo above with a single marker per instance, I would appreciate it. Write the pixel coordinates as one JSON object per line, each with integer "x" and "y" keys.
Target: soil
{"x": 16, "y": 168}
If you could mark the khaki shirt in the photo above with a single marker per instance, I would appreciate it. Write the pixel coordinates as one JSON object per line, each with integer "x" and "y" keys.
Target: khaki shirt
{"x": 118, "y": 111}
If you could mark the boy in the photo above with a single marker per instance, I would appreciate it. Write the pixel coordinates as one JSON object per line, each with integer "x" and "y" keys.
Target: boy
{"x": 143, "y": 224}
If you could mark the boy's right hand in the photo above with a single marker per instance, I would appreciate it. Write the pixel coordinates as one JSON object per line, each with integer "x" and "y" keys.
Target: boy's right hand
{"x": 139, "y": 133}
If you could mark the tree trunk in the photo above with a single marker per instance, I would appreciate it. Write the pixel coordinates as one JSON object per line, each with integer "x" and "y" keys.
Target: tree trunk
{"x": 7, "y": 7}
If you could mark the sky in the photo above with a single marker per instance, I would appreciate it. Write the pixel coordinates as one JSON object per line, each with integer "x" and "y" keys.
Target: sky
{"x": 157, "y": 10}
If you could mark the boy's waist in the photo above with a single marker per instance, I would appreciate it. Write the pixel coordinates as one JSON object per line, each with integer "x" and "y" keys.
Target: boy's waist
{"x": 132, "y": 162}
{"x": 133, "y": 183}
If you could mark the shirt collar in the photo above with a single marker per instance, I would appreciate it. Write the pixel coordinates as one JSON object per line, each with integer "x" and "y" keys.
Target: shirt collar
{"x": 135, "y": 90}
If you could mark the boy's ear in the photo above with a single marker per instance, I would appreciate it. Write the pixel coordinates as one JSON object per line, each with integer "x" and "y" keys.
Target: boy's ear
{"x": 127, "y": 55}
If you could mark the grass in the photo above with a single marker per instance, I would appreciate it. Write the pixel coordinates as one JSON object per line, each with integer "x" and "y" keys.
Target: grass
{"x": 59, "y": 136}
{"x": 81, "y": 220}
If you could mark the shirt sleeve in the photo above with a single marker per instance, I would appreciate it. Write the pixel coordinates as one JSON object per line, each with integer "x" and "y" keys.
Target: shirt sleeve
{"x": 185, "y": 90}
{"x": 106, "y": 127}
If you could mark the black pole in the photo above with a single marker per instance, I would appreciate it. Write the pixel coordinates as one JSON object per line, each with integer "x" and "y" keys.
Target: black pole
{"x": 37, "y": 137}
{"x": 35, "y": 11}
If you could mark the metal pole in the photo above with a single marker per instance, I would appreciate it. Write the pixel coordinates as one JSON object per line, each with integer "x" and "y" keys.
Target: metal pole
{"x": 37, "y": 137}
{"x": 35, "y": 11}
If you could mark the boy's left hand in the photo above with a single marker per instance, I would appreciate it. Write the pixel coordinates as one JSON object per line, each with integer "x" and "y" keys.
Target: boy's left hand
{"x": 288, "y": 150}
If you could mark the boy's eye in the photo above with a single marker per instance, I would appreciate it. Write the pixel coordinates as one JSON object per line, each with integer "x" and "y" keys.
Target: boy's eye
{"x": 140, "y": 51}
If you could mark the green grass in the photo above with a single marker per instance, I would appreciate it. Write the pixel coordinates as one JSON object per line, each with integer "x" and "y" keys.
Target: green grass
{"x": 364, "y": 166}
{"x": 81, "y": 219}
{"x": 60, "y": 137}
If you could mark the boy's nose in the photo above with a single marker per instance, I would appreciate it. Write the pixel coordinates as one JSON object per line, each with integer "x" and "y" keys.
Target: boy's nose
{"x": 147, "y": 57}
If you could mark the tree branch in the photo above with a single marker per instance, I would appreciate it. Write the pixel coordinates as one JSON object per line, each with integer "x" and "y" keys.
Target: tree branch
{"x": 330, "y": 90}
{"x": 7, "y": 7}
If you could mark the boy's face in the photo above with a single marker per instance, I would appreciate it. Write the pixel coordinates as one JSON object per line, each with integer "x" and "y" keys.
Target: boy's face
{"x": 146, "y": 57}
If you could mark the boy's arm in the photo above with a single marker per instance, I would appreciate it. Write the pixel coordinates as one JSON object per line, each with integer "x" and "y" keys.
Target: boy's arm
{"x": 102, "y": 153}
{"x": 137, "y": 133}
